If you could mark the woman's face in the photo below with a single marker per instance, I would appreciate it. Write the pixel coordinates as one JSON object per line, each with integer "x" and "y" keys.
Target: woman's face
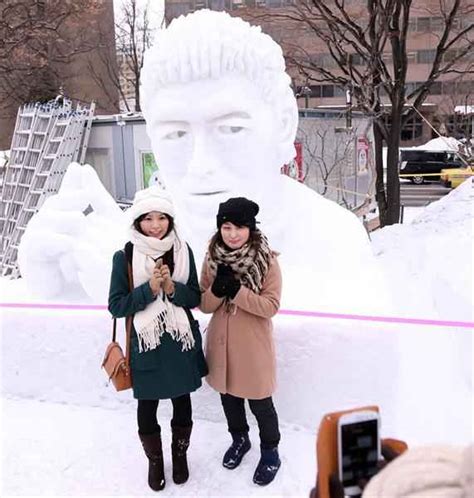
{"x": 155, "y": 224}
{"x": 234, "y": 236}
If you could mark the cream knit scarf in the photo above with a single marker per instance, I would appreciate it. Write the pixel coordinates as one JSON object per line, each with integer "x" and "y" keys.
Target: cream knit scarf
{"x": 160, "y": 316}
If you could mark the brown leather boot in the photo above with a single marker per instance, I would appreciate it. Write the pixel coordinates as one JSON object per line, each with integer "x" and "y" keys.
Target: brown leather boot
{"x": 154, "y": 452}
{"x": 179, "y": 447}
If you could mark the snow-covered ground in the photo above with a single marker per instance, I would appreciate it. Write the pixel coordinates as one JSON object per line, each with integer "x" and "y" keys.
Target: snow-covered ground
{"x": 65, "y": 449}
{"x": 65, "y": 432}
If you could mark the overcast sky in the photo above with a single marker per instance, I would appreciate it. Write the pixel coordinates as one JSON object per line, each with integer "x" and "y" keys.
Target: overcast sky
{"x": 156, "y": 8}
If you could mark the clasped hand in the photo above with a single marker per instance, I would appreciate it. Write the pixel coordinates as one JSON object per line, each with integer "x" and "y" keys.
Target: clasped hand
{"x": 225, "y": 284}
{"x": 161, "y": 279}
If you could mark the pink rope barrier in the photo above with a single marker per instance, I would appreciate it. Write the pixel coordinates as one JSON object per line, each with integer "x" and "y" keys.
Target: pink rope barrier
{"x": 311, "y": 314}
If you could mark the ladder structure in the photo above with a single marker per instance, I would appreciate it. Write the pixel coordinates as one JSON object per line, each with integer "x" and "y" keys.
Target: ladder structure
{"x": 47, "y": 138}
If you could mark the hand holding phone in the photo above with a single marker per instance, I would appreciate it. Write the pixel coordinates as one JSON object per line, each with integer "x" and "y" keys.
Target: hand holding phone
{"x": 168, "y": 284}
{"x": 156, "y": 280}
{"x": 358, "y": 439}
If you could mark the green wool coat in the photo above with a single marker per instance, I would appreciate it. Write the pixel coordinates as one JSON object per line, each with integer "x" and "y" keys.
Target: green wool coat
{"x": 167, "y": 371}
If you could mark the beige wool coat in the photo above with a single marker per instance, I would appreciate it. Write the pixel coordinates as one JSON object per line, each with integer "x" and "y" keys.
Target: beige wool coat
{"x": 240, "y": 351}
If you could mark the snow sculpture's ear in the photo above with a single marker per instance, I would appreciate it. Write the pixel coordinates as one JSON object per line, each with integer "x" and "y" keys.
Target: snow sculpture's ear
{"x": 286, "y": 131}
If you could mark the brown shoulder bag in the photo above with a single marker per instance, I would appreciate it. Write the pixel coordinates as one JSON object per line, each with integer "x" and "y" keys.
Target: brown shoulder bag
{"x": 115, "y": 364}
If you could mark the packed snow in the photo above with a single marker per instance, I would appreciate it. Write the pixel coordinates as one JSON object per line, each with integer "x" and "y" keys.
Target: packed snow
{"x": 441, "y": 144}
{"x": 66, "y": 432}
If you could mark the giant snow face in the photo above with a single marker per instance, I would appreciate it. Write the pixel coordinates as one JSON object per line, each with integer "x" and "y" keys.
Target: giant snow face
{"x": 214, "y": 139}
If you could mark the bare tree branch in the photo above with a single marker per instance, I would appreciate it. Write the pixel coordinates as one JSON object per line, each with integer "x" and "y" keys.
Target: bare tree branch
{"x": 357, "y": 51}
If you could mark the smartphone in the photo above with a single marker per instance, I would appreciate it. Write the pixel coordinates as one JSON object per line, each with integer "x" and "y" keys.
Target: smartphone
{"x": 358, "y": 444}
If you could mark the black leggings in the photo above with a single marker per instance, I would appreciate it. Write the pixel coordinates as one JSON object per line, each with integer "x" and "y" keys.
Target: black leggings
{"x": 146, "y": 414}
{"x": 264, "y": 411}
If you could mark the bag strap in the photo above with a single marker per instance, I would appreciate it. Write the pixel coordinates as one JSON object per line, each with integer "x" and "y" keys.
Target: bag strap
{"x": 128, "y": 320}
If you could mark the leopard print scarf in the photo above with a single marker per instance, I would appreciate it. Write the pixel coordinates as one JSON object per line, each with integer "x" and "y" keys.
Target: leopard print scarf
{"x": 250, "y": 263}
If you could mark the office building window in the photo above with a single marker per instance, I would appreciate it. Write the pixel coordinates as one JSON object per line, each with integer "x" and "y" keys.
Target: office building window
{"x": 315, "y": 90}
{"x": 411, "y": 86}
{"x": 426, "y": 24}
{"x": 412, "y": 129}
{"x": 423, "y": 24}
{"x": 449, "y": 87}
{"x": 425, "y": 56}
{"x": 436, "y": 88}
{"x": 324, "y": 60}
{"x": 436, "y": 23}
{"x": 176, "y": 9}
{"x": 328, "y": 91}
{"x": 357, "y": 60}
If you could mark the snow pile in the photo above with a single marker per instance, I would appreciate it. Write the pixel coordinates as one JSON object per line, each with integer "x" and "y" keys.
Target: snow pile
{"x": 441, "y": 144}
{"x": 67, "y": 247}
{"x": 434, "y": 254}
{"x": 464, "y": 109}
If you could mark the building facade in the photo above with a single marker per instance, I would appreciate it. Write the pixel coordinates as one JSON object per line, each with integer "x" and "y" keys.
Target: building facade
{"x": 65, "y": 47}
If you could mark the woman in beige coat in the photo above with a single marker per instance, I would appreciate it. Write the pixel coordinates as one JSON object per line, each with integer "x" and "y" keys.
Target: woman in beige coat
{"x": 241, "y": 285}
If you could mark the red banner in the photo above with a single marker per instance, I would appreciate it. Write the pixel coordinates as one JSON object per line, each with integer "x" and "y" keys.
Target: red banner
{"x": 295, "y": 168}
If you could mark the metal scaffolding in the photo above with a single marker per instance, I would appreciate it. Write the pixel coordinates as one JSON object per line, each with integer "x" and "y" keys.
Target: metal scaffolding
{"x": 46, "y": 139}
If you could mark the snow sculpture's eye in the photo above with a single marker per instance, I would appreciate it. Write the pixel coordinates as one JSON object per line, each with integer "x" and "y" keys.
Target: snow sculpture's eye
{"x": 230, "y": 130}
{"x": 175, "y": 135}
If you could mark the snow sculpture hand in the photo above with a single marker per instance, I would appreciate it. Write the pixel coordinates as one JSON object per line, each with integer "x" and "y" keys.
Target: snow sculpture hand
{"x": 67, "y": 247}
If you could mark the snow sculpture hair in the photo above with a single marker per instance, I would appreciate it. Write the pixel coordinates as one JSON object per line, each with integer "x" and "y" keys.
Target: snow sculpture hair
{"x": 208, "y": 44}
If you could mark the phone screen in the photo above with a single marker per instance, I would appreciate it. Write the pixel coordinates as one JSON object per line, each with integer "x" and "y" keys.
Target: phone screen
{"x": 359, "y": 445}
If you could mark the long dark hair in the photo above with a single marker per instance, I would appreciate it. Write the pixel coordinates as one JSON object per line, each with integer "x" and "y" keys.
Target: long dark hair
{"x": 137, "y": 222}
{"x": 255, "y": 238}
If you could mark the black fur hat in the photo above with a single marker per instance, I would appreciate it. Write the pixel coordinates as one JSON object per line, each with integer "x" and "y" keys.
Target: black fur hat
{"x": 239, "y": 211}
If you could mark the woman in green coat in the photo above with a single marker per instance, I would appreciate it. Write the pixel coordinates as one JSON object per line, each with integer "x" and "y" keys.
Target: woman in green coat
{"x": 166, "y": 357}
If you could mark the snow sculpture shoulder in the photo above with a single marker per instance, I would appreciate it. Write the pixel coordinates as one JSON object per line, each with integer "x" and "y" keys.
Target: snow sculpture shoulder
{"x": 222, "y": 120}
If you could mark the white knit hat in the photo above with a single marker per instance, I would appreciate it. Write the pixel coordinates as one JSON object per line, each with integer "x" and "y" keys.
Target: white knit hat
{"x": 149, "y": 199}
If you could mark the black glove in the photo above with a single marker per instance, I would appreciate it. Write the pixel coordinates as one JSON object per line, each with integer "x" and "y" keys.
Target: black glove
{"x": 233, "y": 286}
{"x": 225, "y": 284}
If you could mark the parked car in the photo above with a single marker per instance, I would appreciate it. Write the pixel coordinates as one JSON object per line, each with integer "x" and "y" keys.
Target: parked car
{"x": 416, "y": 162}
{"x": 454, "y": 177}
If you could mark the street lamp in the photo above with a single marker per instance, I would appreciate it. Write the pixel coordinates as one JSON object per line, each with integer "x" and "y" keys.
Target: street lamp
{"x": 349, "y": 108}
{"x": 306, "y": 91}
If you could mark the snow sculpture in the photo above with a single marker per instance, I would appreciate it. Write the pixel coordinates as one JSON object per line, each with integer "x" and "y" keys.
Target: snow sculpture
{"x": 222, "y": 120}
{"x": 66, "y": 250}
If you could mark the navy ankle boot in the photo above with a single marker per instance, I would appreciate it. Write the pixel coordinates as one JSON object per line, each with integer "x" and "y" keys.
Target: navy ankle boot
{"x": 240, "y": 445}
{"x": 267, "y": 466}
